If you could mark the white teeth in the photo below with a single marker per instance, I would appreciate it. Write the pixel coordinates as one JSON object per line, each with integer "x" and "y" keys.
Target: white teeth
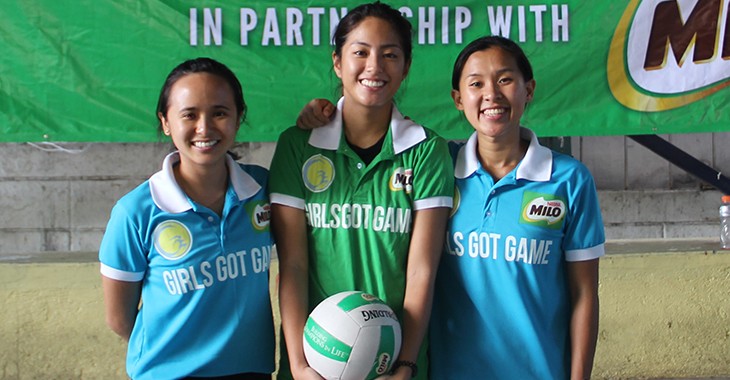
{"x": 372, "y": 83}
{"x": 204, "y": 144}
{"x": 493, "y": 111}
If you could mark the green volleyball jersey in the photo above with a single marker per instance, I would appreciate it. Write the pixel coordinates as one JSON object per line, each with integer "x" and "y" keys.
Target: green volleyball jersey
{"x": 360, "y": 216}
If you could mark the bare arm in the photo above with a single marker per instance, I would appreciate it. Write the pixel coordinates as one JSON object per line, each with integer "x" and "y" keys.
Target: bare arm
{"x": 583, "y": 283}
{"x": 427, "y": 240}
{"x": 316, "y": 113}
{"x": 121, "y": 304}
{"x": 290, "y": 231}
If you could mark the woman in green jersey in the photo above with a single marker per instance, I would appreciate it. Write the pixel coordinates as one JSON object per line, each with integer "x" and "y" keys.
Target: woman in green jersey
{"x": 362, "y": 203}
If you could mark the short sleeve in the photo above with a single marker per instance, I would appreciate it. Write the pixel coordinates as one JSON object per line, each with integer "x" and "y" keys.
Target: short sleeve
{"x": 285, "y": 179}
{"x": 122, "y": 253}
{"x": 584, "y": 233}
{"x": 433, "y": 175}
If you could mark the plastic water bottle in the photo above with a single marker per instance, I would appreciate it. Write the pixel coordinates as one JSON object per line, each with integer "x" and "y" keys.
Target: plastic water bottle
{"x": 725, "y": 222}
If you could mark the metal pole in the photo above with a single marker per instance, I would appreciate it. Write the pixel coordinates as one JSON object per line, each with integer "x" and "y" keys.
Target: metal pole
{"x": 684, "y": 161}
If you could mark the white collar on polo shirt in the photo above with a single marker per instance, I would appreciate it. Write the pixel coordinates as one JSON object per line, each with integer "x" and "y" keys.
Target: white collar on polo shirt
{"x": 406, "y": 133}
{"x": 535, "y": 166}
{"x": 169, "y": 197}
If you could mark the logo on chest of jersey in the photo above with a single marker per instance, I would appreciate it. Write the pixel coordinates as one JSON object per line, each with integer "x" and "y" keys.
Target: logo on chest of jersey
{"x": 543, "y": 210}
{"x": 172, "y": 239}
{"x": 402, "y": 179}
{"x": 260, "y": 215}
{"x": 318, "y": 172}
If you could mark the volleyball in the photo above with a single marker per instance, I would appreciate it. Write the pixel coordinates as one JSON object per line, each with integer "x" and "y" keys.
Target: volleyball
{"x": 352, "y": 336}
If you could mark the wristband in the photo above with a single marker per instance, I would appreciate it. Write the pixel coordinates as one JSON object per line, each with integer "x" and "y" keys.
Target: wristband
{"x": 404, "y": 363}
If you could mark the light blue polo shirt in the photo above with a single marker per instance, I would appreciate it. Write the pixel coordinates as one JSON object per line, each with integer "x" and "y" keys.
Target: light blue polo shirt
{"x": 502, "y": 305}
{"x": 205, "y": 308}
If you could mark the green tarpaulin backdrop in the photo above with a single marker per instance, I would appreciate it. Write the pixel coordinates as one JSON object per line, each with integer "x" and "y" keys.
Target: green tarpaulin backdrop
{"x": 91, "y": 70}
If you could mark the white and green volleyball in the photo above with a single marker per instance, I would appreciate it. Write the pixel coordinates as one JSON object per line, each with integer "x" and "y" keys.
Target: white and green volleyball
{"x": 352, "y": 336}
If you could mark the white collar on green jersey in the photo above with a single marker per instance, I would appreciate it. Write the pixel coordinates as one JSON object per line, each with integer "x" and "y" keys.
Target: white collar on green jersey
{"x": 169, "y": 197}
{"x": 535, "y": 166}
{"x": 405, "y": 132}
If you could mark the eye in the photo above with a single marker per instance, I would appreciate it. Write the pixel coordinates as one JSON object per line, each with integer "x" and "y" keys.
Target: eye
{"x": 390, "y": 55}
{"x": 360, "y": 53}
{"x": 476, "y": 84}
{"x": 505, "y": 80}
{"x": 188, "y": 116}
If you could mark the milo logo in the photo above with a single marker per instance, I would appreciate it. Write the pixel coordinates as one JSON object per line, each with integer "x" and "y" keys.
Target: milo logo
{"x": 543, "y": 210}
{"x": 260, "y": 215}
{"x": 667, "y": 54}
{"x": 402, "y": 179}
{"x": 383, "y": 363}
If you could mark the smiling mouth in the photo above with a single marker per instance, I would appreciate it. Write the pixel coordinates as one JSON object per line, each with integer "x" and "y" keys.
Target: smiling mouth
{"x": 372, "y": 83}
{"x": 205, "y": 144}
{"x": 493, "y": 112}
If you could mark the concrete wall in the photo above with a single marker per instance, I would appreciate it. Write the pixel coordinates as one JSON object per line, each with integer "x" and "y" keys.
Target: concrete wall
{"x": 663, "y": 315}
{"x": 59, "y": 201}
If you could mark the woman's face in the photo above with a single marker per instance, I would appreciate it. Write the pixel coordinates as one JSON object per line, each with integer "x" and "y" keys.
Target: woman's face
{"x": 492, "y": 92}
{"x": 201, "y": 118}
{"x": 372, "y": 65}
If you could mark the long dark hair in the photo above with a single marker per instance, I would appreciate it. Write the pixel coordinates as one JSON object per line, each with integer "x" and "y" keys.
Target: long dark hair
{"x": 201, "y": 65}
{"x": 354, "y": 17}
{"x": 485, "y": 43}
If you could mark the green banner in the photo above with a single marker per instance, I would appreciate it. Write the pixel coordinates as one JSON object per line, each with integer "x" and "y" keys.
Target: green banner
{"x": 91, "y": 70}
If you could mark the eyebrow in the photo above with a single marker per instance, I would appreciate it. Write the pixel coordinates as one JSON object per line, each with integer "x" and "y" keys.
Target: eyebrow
{"x": 386, "y": 46}
{"x": 499, "y": 72}
{"x": 217, "y": 106}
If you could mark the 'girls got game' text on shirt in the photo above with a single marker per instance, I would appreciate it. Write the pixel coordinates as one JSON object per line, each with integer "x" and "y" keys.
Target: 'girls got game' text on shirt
{"x": 360, "y": 216}
{"x": 205, "y": 279}
{"x": 501, "y": 288}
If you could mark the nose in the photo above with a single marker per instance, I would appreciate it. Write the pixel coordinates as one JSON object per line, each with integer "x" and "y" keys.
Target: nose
{"x": 374, "y": 63}
{"x": 202, "y": 125}
{"x": 491, "y": 91}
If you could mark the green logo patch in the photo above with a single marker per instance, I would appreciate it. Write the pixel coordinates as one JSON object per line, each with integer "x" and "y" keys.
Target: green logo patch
{"x": 544, "y": 210}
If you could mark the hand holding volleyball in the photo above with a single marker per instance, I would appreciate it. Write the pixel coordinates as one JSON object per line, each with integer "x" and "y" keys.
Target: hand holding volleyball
{"x": 352, "y": 336}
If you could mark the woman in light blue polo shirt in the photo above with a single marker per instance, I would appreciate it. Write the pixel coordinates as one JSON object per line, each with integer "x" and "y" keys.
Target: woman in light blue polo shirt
{"x": 185, "y": 256}
{"x": 517, "y": 289}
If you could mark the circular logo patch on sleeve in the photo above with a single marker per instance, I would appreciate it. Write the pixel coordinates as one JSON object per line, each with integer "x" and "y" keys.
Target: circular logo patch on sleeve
{"x": 172, "y": 239}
